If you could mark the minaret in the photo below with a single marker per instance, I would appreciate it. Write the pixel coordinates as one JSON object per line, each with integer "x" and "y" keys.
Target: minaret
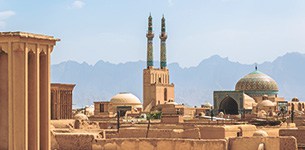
{"x": 163, "y": 38}
{"x": 150, "y": 36}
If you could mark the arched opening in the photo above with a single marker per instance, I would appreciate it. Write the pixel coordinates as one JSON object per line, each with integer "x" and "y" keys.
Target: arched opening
{"x": 229, "y": 106}
{"x": 165, "y": 94}
{"x": 123, "y": 110}
{"x": 300, "y": 107}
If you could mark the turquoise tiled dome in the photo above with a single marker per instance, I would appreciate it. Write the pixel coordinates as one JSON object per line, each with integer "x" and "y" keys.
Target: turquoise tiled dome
{"x": 257, "y": 83}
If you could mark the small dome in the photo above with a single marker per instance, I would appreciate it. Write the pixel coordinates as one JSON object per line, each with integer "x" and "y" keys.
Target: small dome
{"x": 295, "y": 99}
{"x": 80, "y": 116}
{"x": 125, "y": 98}
{"x": 266, "y": 103}
{"x": 257, "y": 83}
{"x": 207, "y": 104}
{"x": 260, "y": 133}
{"x": 171, "y": 102}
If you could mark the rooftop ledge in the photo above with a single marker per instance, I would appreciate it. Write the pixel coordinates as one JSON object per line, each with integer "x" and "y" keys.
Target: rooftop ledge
{"x": 29, "y": 35}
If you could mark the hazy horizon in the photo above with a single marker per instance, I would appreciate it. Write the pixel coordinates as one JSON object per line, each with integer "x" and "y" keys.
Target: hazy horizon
{"x": 156, "y": 62}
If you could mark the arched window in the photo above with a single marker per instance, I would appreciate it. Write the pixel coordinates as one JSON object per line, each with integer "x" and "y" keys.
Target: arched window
{"x": 165, "y": 94}
{"x": 155, "y": 78}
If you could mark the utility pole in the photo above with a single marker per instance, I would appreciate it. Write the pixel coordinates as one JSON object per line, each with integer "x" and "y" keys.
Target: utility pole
{"x": 148, "y": 126}
{"x": 118, "y": 120}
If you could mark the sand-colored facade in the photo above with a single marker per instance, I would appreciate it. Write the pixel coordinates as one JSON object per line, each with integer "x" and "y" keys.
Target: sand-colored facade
{"x": 61, "y": 100}
{"x": 25, "y": 90}
{"x": 157, "y": 88}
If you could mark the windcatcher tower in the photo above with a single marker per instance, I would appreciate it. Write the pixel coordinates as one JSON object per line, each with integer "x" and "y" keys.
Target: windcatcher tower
{"x": 25, "y": 60}
{"x": 157, "y": 89}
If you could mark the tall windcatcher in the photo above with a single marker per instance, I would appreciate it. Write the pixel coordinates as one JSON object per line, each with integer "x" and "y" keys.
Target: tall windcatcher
{"x": 163, "y": 38}
{"x": 150, "y": 36}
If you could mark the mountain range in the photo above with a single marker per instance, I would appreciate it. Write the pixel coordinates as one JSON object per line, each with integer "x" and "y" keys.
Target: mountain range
{"x": 193, "y": 85}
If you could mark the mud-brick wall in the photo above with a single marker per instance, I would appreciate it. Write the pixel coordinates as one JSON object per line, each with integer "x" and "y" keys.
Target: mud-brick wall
{"x": 74, "y": 141}
{"x": 211, "y": 132}
{"x": 270, "y": 143}
{"x": 159, "y": 144}
{"x": 299, "y": 134}
{"x": 156, "y": 133}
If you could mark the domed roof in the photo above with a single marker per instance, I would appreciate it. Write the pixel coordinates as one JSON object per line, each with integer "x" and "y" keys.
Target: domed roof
{"x": 125, "y": 98}
{"x": 257, "y": 81}
{"x": 266, "y": 103}
{"x": 260, "y": 133}
{"x": 207, "y": 104}
{"x": 80, "y": 116}
{"x": 295, "y": 99}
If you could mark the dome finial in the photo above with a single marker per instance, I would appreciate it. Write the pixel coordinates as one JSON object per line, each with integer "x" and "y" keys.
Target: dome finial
{"x": 255, "y": 66}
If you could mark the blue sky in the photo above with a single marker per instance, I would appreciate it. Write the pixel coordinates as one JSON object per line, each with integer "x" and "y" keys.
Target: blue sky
{"x": 246, "y": 31}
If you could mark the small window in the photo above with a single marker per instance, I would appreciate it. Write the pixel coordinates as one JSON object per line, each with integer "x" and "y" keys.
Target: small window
{"x": 102, "y": 107}
{"x": 160, "y": 80}
{"x": 165, "y": 94}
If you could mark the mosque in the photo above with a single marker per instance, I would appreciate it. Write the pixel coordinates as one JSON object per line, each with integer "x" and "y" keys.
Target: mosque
{"x": 252, "y": 90}
{"x": 255, "y": 93}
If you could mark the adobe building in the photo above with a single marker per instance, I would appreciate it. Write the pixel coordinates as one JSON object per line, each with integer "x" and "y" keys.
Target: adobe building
{"x": 61, "y": 101}
{"x": 157, "y": 88}
{"x": 123, "y": 102}
{"x": 25, "y": 90}
{"x": 176, "y": 113}
{"x": 297, "y": 104}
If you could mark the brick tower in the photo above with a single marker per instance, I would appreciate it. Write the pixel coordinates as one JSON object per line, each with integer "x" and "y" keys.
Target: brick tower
{"x": 157, "y": 88}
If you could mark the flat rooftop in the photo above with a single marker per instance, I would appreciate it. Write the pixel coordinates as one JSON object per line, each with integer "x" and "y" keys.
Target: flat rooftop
{"x": 29, "y": 35}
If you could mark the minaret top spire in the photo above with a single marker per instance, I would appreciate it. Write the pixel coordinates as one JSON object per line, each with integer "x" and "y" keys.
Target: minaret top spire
{"x": 163, "y": 35}
{"x": 163, "y": 24}
{"x": 150, "y": 29}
